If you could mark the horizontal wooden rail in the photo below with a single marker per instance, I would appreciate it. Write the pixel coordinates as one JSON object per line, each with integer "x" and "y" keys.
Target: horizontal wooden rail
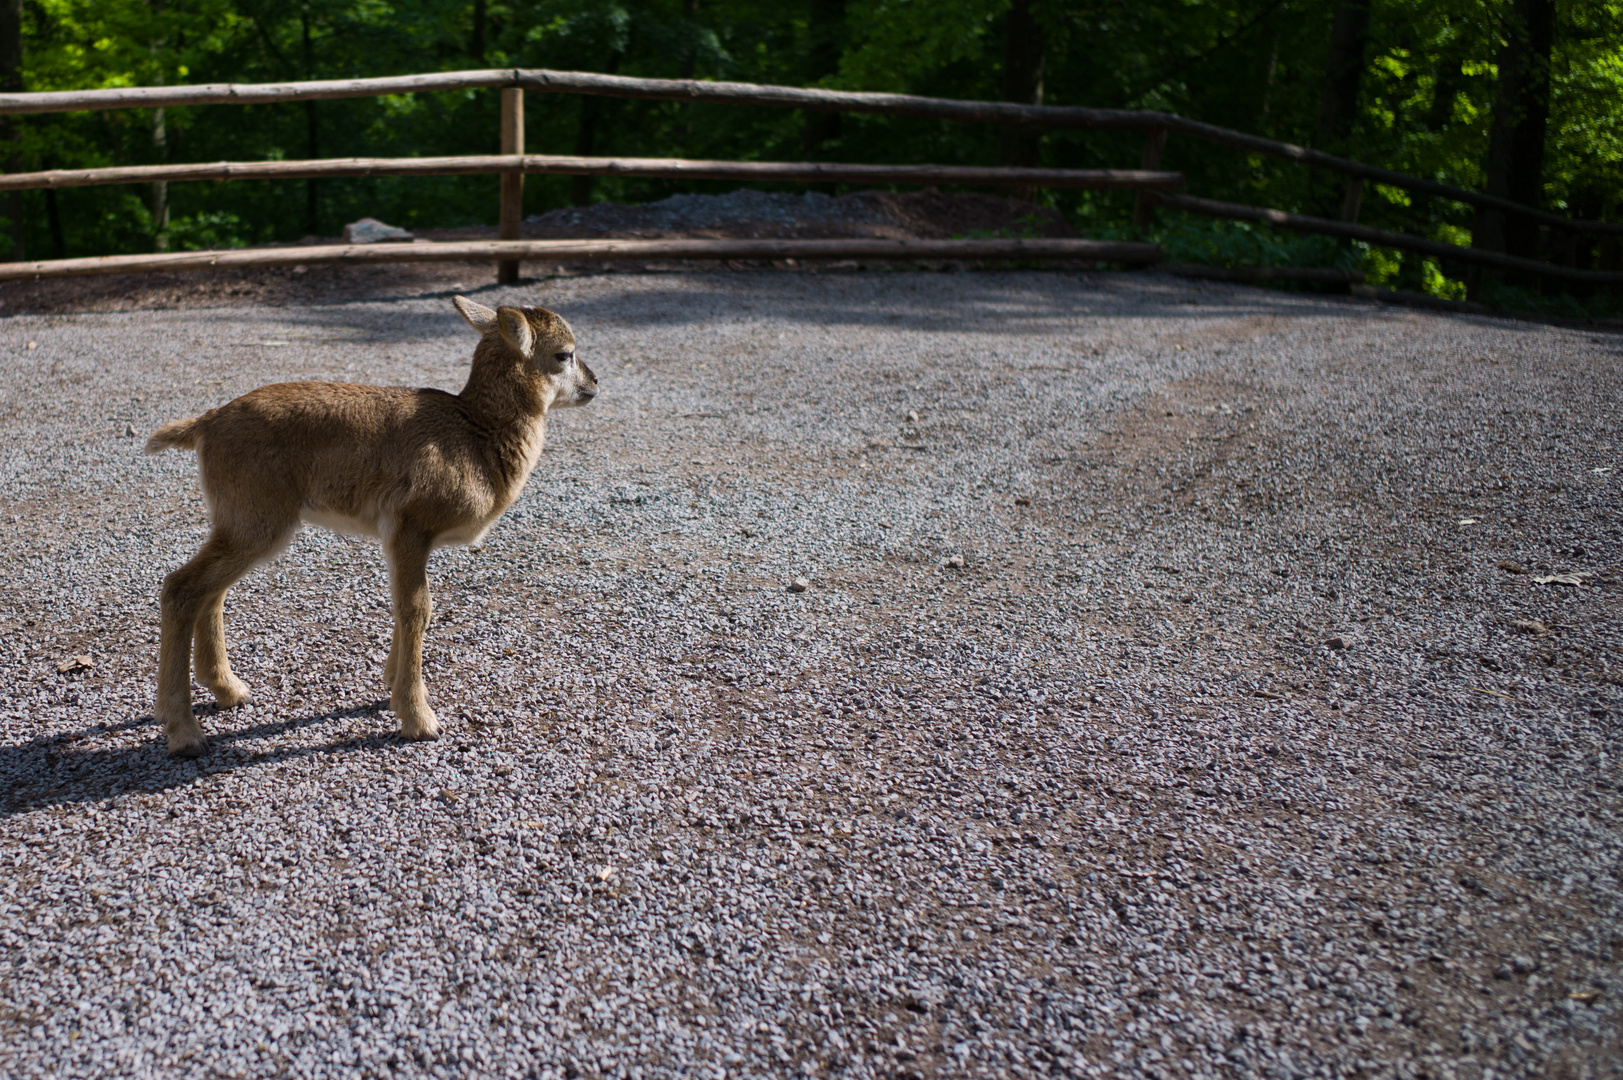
{"x": 757, "y": 171}
{"x": 1382, "y": 238}
{"x": 1302, "y": 155}
{"x": 584, "y": 82}
{"x": 572, "y": 250}
{"x": 693, "y": 90}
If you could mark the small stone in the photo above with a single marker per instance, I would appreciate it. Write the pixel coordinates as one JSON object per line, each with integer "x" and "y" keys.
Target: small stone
{"x": 129, "y": 431}
{"x": 1336, "y": 642}
{"x": 1511, "y": 566}
{"x": 955, "y": 562}
{"x": 799, "y": 584}
{"x": 912, "y": 415}
{"x": 372, "y": 231}
{"x": 1022, "y": 501}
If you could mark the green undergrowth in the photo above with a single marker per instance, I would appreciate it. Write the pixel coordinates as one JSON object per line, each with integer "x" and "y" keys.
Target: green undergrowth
{"x": 1216, "y": 242}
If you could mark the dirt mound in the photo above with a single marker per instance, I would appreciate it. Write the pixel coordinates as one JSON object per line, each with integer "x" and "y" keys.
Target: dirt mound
{"x": 928, "y": 214}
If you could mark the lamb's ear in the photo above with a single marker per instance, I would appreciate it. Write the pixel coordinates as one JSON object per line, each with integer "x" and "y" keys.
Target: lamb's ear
{"x": 478, "y": 315}
{"x": 516, "y": 329}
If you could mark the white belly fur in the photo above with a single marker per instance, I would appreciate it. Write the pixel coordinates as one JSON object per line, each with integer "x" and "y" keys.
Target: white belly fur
{"x": 342, "y": 523}
{"x": 379, "y": 529}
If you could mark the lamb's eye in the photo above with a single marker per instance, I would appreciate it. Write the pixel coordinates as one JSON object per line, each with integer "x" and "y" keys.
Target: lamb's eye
{"x": 565, "y": 357}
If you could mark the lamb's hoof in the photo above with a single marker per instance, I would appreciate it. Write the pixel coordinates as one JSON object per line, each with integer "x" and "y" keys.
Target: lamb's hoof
{"x": 230, "y": 694}
{"x": 420, "y": 731}
{"x": 187, "y": 744}
{"x": 417, "y": 722}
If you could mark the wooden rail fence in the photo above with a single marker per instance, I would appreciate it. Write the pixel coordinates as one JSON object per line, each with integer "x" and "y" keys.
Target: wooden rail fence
{"x": 1154, "y": 186}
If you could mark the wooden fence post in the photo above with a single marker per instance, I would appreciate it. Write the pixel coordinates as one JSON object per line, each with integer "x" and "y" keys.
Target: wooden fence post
{"x": 1350, "y": 201}
{"x": 512, "y": 211}
{"x": 1155, "y": 144}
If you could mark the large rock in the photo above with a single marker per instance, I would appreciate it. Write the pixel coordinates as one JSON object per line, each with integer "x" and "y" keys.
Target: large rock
{"x": 372, "y": 231}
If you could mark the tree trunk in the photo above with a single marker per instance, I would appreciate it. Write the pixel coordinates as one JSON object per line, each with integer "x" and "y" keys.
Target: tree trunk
{"x": 586, "y": 136}
{"x": 826, "y": 31}
{"x": 11, "y": 82}
{"x": 476, "y": 39}
{"x": 1023, "y": 49}
{"x": 690, "y": 62}
{"x": 1338, "y": 95}
{"x": 1273, "y": 72}
{"x": 1450, "y": 80}
{"x": 1343, "y": 72}
{"x": 158, "y": 202}
{"x": 312, "y": 142}
{"x": 53, "y": 218}
{"x": 1521, "y": 113}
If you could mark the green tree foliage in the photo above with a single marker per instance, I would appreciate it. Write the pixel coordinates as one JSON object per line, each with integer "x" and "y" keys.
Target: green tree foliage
{"x": 1425, "y": 104}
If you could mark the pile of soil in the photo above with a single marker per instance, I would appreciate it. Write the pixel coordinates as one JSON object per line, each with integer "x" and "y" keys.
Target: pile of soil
{"x": 927, "y": 214}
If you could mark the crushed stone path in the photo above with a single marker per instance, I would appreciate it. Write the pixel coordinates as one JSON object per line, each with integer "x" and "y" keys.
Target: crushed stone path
{"x": 1190, "y": 681}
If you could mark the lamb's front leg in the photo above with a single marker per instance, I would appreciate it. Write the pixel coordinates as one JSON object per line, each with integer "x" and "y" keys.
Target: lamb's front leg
{"x": 412, "y": 606}
{"x": 391, "y": 666}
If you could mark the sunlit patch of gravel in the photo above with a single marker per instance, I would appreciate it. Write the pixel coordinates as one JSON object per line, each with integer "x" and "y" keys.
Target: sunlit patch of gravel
{"x": 1244, "y": 741}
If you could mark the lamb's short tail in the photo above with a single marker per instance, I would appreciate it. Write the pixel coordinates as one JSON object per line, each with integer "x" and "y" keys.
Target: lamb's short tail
{"x": 177, "y": 434}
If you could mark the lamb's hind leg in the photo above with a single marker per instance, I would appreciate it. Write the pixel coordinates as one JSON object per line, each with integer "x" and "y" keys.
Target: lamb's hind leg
{"x": 188, "y": 594}
{"x": 408, "y": 570}
{"x": 209, "y": 659}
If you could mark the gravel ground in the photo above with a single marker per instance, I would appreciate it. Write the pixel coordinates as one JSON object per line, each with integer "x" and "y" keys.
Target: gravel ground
{"x": 1177, "y": 689}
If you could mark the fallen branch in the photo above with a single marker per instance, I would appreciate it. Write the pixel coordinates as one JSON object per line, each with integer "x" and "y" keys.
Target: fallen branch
{"x": 572, "y": 250}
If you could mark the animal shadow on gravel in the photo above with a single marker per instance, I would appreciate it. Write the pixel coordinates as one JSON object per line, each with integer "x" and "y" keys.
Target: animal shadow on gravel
{"x": 60, "y": 770}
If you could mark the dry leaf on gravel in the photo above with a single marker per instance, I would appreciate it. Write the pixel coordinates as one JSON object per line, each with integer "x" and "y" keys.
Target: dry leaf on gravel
{"x": 1560, "y": 579}
{"x": 75, "y": 663}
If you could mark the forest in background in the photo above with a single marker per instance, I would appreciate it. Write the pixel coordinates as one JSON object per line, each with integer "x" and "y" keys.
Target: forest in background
{"x": 1519, "y": 97}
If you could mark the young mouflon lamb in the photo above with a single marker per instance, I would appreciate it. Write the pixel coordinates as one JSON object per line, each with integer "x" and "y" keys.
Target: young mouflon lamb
{"x": 418, "y": 469}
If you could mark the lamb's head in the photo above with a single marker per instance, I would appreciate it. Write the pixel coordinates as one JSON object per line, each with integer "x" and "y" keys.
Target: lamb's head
{"x": 542, "y": 342}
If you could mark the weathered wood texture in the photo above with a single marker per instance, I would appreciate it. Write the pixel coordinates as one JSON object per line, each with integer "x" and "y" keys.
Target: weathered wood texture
{"x": 690, "y": 90}
{"x": 1402, "y": 241}
{"x": 759, "y": 171}
{"x": 573, "y": 250}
